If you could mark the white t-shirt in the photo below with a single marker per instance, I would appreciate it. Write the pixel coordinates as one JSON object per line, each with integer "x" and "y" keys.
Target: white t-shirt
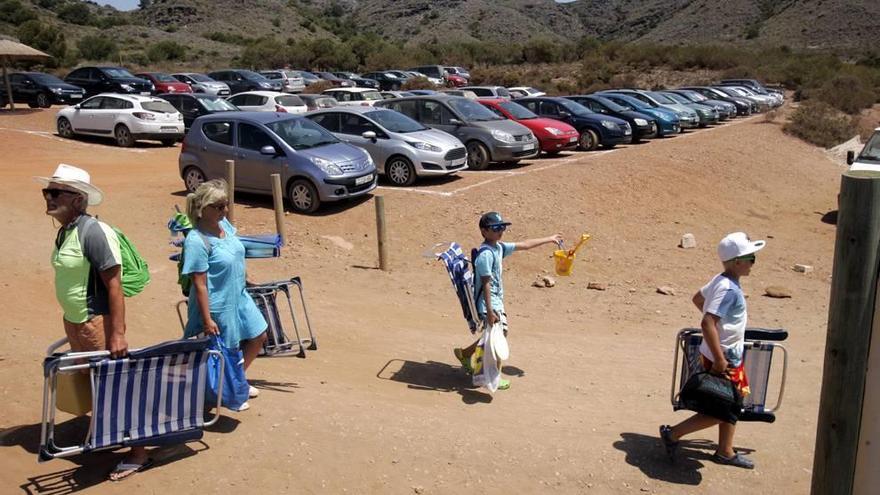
{"x": 724, "y": 299}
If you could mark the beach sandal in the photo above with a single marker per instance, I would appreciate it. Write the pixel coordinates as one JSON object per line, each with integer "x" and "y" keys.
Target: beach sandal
{"x": 465, "y": 362}
{"x": 125, "y": 470}
{"x": 503, "y": 384}
{"x": 253, "y": 392}
{"x": 242, "y": 408}
{"x": 738, "y": 460}
{"x": 666, "y": 436}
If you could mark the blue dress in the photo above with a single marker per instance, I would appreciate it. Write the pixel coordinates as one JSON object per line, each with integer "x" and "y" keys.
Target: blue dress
{"x": 232, "y": 309}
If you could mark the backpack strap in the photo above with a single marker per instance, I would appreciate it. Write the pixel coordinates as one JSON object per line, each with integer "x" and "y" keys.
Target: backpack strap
{"x": 474, "y": 254}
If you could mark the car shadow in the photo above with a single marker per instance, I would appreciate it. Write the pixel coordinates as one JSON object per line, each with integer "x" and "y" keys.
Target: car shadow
{"x": 253, "y": 200}
{"x": 18, "y": 111}
{"x": 108, "y": 141}
{"x": 439, "y": 180}
{"x": 507, "y": 166}
{"x": 433, "y": 375}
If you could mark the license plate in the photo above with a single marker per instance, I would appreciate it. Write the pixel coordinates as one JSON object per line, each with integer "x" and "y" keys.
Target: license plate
{"x": 572, "y": 139}
{"x": 169, "y": 129}
{"x": 145, "y": 93}
{"x": 76, "y": 95}
{"x": 458, "y": 162}
{"x": 527, "y": 147}
{"x": 363, "y": 180}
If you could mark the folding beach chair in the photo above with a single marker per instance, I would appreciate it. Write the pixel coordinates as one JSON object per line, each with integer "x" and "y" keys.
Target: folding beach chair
{"x": 154, "y": 396}
{"x": 462, "y": 277}
{"x": 278, "y": 343}
{"x": 760, "y": 346}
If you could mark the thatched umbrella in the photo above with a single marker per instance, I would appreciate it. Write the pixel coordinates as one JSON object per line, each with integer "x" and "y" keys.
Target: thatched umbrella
{"x": 12, "y": 51}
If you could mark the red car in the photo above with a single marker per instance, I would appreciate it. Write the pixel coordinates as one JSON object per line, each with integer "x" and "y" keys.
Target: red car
{"x": 553, "y": 135}
{"x": 164, "y": 83}
{"x": 455, "y": 81}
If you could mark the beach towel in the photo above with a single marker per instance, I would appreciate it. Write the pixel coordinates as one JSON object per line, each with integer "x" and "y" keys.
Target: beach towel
{"x": 494, "y": 350}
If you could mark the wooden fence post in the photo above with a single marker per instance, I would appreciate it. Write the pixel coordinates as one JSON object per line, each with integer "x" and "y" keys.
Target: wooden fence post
{"x": 278, "y": 201}
{"x": 381, "y": 233}
{"x": 230, "y": 192}
{"x": 851, "y": 316}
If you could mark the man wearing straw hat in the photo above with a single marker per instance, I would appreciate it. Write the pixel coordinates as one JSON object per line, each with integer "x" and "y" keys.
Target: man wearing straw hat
{"x": 88, "y": 277}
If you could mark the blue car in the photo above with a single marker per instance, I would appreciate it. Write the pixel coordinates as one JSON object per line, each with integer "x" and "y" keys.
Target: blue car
{"x": 667, "y": 120}
{"x": 594, "y": 128}
{"x": 315, "y": 166}
{"x": 643, "y": 125}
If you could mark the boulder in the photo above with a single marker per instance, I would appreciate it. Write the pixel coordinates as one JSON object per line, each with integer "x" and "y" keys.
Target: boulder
{"x": 666, "y": 291}
{"x": 688, "y": 241}
{"x": 777, "y": 292}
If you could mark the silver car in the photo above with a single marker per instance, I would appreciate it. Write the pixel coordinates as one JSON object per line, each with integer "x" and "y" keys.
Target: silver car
{"x": 201, "y": 83}
{"x": 291, "y": 82}
{"x": 402, "y": 148}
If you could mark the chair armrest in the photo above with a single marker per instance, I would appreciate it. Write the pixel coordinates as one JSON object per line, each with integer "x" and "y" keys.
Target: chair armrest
{"x": 774, "y": 335}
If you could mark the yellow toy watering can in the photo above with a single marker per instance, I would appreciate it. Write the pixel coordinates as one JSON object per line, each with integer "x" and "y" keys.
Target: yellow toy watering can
{"x": 565, "y": 258}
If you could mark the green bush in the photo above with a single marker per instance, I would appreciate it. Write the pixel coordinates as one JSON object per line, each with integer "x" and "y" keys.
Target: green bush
{"x": 14, "y": 12}
{"x": 76, "y": 13}
{"x": 166, "y": 50}
{"x": 820, "y": 124}
{"x": 97, "y": 47}
{"x": 44, "y": 37}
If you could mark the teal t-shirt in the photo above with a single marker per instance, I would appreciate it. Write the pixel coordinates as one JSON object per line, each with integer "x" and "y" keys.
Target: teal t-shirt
{"x": 488, "y": 263}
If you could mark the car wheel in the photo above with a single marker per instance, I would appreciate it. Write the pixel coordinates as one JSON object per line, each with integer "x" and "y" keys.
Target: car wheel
{"x": 588, "y": 140}
{"x": 400, "y": 171}
{"x": 65, "y": 130}
{"x": 193, "y": 177}
{"x": 303, "y": 196}
{"x": 123, "y": 136}
{"x": 478, "y": 156}
{"x": 168, "y": 142}
{"x": 32, "y": 104}
{"x": 43, "y": 100}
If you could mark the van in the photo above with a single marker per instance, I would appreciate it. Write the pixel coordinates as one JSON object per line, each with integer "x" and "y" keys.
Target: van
{"x": 869, "y": 158}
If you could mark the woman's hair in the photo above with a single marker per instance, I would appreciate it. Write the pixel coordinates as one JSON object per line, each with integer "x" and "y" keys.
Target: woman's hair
{"x": 207, "y": 193}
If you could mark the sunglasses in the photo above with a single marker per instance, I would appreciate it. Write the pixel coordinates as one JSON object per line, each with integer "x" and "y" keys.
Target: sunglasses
{"x": 497, "y": 228}
{"x": 750, "y": 258}
{"x": 54, "y": 193}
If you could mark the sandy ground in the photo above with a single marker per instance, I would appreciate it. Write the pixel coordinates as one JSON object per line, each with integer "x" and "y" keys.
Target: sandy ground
{"x": 382, "y": 407}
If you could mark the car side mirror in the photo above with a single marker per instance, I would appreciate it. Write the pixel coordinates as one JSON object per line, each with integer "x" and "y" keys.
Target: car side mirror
{"x": 369, "y": 135}
{"x": 76, "y": 107}
{"x": 850, "y": 157}
{"x": 455, "y": 122}
{"x": 269, "y": 150}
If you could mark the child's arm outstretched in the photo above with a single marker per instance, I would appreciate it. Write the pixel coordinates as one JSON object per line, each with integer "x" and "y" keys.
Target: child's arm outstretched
{"x": 533, "y": 243}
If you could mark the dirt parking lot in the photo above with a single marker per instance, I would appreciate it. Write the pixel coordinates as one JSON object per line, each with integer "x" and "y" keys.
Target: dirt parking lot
{"x": 382, "y": 407}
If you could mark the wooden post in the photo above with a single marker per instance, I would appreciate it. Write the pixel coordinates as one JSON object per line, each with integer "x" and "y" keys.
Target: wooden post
{"x": 230, "y": 192}
{"x": 850, "y": 321}
{"x": 8, "y": 86}
{"x": 381, "y": 233}
{"x": 278, "y": 200}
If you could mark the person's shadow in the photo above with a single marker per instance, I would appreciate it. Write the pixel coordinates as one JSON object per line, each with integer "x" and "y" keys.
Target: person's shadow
{"x": 434, "y": 376}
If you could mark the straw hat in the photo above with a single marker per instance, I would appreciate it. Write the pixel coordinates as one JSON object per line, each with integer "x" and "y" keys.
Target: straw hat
{"x": 76, "y": 178}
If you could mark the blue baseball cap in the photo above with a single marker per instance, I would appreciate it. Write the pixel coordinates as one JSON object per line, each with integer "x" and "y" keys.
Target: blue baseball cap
{"x": 492, "y": 219}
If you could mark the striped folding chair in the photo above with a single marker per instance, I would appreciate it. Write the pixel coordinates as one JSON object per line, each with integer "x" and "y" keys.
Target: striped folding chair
{"x": 457, "y": 266}
{"x": 154, "y": 396}
{"x": 760, "y": 347}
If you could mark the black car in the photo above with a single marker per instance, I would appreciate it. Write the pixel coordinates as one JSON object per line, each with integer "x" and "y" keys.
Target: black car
{"x": 387, "y": 82}
{"x": 40, "y": 90}
{"x": 96, "y": 80}
{"x": 594, "y": 128}
{"x": 360, "y": 82}
{"x": 643, "y": 125}
{"x": 194, "y": 105}
{"x": 240, "y": 80}
{"x": 743, "y": 107}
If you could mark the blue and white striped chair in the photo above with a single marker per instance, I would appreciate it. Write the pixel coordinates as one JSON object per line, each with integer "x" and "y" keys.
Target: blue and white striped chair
{"x": 458, "y": 267}
{"x": 154, "y": 396}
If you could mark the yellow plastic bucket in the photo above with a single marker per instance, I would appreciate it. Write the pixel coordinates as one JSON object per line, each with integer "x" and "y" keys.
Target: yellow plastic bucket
{"x": 73, "y": 393}
{"x": 564, "y": 258}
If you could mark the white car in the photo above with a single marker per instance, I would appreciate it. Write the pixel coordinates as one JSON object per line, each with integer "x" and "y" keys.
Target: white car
{"x": 268, "y": 101}
{"x": 201, "y": 83}
{"x": 869, "y": 158}
{"x": 526, "y": 91}
{"x": 127, "y": 118}
{"x": 348, "y": 97}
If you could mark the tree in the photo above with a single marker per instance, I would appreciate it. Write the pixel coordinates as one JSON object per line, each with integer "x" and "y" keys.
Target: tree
{"x": 76, "y": 13}
{"x": 44, "y": 37}
{"x": 144, "y": 4}
{"x": 166, "y": 50}
{"x": 94, "y": 47}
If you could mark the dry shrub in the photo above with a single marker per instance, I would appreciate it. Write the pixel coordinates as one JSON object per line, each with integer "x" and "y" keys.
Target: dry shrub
{"x": 417, "y": 83}
{"x": 820, "y": 124}
{"x": 771, "y": 116}
{"x": 318, "y": 87}
{"x": 847, "y": 93}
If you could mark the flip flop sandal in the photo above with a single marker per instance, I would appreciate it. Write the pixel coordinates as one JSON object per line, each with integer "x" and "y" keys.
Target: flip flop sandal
{"x": 128, "y": 469}
{"x": 738, "y": 460}
{"x": 666, "y": 436}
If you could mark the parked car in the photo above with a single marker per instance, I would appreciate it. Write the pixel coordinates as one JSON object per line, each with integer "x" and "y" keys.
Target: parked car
{"x": 359, "y": 82}
{"x": 726, "y": 109}
{"x": 291, "y": 81}
{"x": 459, "y": 92}
{"x": 316, "y": 102}
{"x": 387, "y": 95}
{"x": 126, "y": 118}
{"x": 594, "y": 129}
{"x": 688, "y": 118}
{"x": 386, "y": 80}
{"x": 667, "y": 120}
{"x": 756, "y": 105}
{"x": 194, "y": 105}
{"x": 433, "y": 80}
{"x": 458, "y": 71}
{"x": 643, "y": 125}
{"x": 354, "y": 96}
{"x": 401, "y": 148}
{"x": 709, "y": 115}
{"x": 869, "y": 158}
{"x": 95, "y": 80}
{"x": 240, "y": 80}
{"x": 424, "y": 92}
{"x": 553, "y": 136}
{"x": 314, "y": 165}
{"x": 743, "y": 107}
{"x": 164, "y": 83}
{"x": 764, "y": 102}
{"x": 523, "y": 91}
{"x": 773, "y": 99}
{"x": 455, "y": 81}
{"x": 201, "y": 83}
{"x": 431, "y": 71}
{"x": 488, "y": 91}
{"x": 756, "y": 86}
{"x": 486, "y": 136}
{"x": 40, "y": 90}
{"x": 268, "y": 101}
{"x": 308, "y": 77}
{"x": 334, "y": 80}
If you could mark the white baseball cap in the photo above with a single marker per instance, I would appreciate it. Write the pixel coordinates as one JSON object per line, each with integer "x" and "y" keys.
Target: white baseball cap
{"x": 738, "y": 244}
{"x": 76, "y": 178}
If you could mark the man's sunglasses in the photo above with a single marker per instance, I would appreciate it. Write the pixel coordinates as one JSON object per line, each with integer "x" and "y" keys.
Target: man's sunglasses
{"x": 54, "y": 193}
{"x": 750, "y": 258}
{"x": 497, "y": 228}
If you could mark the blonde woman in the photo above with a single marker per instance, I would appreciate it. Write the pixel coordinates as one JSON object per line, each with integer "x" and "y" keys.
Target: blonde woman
{"x": 218, "y": 302}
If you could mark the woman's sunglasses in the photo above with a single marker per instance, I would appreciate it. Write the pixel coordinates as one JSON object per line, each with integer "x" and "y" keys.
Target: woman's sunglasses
{"x": 54, "y": 193}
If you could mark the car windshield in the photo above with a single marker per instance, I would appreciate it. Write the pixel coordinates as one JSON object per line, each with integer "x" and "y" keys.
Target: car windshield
{"x": 635, "y": 103}
{"x": 199, "y": 78}
{"x": 46, "y": 79}
{"x": 302, "y": 134}
{"x": 472, "y": 111}
{"x": 395, "y": 121}
{"x": 694, "y": 96}
{"x": 677, "y": 98}
{"x": 661, "y": 98}
{"x": 271, "y": 75}
{"x": 289, "y": 101}
{"x": 390, "y": 75}
{"x": 516, "y": 110}
{"x": 115, "y": 73}
{"x": 871, "y": 152}
{"x": 610, "y": 105}
{"x": 308, "y": 75}
{"x": 217, "y": 104}
{"x": 251, "y": 75}
{"x": 573, "y": 107}
{"x": 159, "y": 106}
{"x": 164, "y": 78}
